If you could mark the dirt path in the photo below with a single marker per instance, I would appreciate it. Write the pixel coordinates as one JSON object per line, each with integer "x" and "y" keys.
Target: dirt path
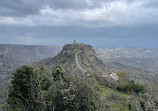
{"x": 78, "y": 64}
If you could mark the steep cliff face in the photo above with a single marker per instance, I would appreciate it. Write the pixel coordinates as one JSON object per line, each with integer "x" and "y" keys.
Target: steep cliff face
{"x": 68, "y": 54}
{"x": 71, "y": 49}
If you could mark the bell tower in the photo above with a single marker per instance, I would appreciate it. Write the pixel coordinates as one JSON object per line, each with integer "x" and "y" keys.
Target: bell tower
{"x": 74, "y": 41}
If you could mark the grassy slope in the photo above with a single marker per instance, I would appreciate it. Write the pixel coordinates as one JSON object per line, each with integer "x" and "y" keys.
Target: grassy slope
{"x": 113, "y": 100}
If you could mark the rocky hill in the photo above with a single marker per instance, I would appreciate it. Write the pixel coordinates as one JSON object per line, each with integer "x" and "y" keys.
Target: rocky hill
{"x": 80, "y": 59}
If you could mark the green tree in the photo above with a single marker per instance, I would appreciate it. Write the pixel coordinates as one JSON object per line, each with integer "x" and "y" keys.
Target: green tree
{"x": 132, "y": 87}
{"x": 123, "y": 78}
{"x": 40, "y": 82}
{"x": 19, "y": 95}
{"x": 68, "y": 93}
{"x": 28, "y": 86}
{"x": 39, "y": 89}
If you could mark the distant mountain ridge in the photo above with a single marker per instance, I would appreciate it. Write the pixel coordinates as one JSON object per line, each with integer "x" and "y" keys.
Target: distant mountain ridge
{"x": 13, "y": 56}
{"x": 146, "y": 59}
{"x": 128, "y": 52}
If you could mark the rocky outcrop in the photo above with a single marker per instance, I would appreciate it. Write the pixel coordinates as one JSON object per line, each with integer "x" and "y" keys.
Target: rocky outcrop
{"x": 74, "y": 48}
{"x": 80, "y": 59}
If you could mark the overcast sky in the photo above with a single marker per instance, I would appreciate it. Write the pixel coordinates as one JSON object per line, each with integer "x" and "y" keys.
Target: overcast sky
{"x": 105, "y": 23}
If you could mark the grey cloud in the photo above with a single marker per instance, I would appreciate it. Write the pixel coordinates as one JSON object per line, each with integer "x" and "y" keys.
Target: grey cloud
{"x": 19, "y": 7}
{"x": 69, "y": 19}
{"x": 67, "y": 4}
{"x": 151, "y": 4}
{"x": 28, "y": 7}
{"x": 81, "y": 32}
{"x": 118, "y": 12}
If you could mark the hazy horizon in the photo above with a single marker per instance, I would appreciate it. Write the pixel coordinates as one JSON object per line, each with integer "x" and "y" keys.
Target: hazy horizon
{"x": 94, "y": 46}
{"x": 106, "y": 23}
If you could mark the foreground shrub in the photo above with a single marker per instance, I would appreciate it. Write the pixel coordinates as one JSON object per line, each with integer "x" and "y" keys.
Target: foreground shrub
{"x": 39, "y": 89}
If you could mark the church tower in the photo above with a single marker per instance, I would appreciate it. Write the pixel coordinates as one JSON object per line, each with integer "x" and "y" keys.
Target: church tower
{"x": 74, "y": 41}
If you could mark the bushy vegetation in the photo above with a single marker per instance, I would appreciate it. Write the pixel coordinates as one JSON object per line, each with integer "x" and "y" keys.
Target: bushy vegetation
{"x": 123, "y": 78}
{"x": 131, "y": 87}
{"x": 127, "y": 86}
{"x": 39, "y": 89}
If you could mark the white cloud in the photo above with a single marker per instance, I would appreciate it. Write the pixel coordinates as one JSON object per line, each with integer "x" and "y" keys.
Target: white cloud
{"x": 112, "y": 13}
{"x": 89, "y": 2}
{"x": 116, "y": 13}
{"x": 15, "y": 21}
